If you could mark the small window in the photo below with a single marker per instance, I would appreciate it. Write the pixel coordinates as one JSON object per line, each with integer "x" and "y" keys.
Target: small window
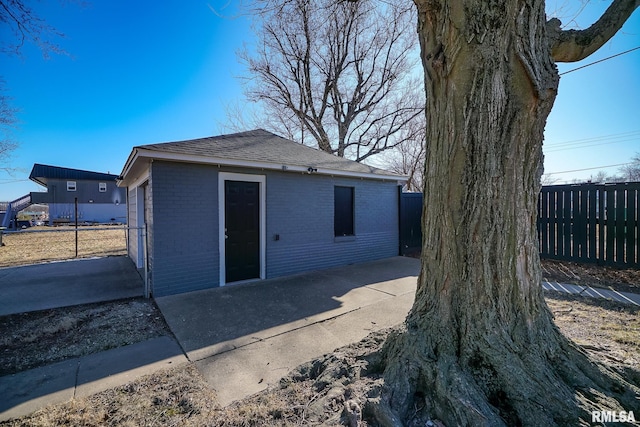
{"x": 343, "y": 211}
{"x": 71, "y": 186}
{"x": 102, "y": 187}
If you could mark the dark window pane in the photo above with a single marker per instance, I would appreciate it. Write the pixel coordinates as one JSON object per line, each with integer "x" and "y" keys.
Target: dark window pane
{"x": 343, "y": 211}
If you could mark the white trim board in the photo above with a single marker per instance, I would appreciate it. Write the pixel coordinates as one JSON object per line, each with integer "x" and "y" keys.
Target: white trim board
{"x": 262, "y": 188}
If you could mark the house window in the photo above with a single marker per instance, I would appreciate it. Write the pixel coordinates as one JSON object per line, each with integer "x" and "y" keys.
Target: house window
{"x": 71, "y": 186}
{"x": 343, "y": 211}
{"x": 102, "y": 187}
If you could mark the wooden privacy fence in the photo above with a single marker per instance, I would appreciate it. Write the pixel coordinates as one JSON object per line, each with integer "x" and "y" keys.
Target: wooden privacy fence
{"x": 598, "y": 223}
{"x": 590, "y": 223}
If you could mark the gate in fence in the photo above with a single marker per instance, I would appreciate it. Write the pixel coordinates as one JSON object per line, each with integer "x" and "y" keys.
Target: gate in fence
{"x": 410, "y": 223}
{"x": 590, "y": 223}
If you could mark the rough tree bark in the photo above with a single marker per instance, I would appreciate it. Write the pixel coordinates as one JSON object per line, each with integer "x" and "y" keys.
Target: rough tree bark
{"x": 479, "y": 345}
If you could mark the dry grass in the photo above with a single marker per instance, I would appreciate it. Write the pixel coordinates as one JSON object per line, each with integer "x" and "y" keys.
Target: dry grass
{"x": 608, "y": 330}
{"x": 42, "y": 244}
{"x": 172, "y": 397}
{"x": 181, "y": 397}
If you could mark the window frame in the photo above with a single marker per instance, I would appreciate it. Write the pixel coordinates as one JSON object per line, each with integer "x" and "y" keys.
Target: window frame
{"x": 102, "y": 187}
{"x": 344, "y": 215}
{"x": 72, "y": 186}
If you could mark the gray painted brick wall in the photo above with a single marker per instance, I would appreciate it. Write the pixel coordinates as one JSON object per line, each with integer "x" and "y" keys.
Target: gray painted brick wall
{"x": 185, "y": 227}
{"x": 299, "y": 209}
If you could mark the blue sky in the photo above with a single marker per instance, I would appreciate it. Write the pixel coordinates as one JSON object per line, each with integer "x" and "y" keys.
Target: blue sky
{"x": 164, "y": 71}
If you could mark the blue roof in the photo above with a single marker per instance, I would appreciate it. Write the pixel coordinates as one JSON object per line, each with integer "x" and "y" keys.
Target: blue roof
{"x": 41, "y": 173}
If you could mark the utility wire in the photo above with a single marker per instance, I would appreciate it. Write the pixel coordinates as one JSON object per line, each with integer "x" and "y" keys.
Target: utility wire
{"x": 583, "y": 145}
{"x": 590, "y": 169}
{"x": 6, "y": 181}
{"x": 600, "y": 60}
{"x": 593, "y": 139}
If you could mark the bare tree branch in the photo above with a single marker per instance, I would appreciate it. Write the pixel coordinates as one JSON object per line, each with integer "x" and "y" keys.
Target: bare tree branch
{"x": 575, "y": 45}
{"x": 409, "y": 159}
{"x": 26, "y": 25}
{"x": 19, "y": 19}
{"x": 631, "y": 172}
{"x": 8, "y": 122}
{"x": 338, "y": 72}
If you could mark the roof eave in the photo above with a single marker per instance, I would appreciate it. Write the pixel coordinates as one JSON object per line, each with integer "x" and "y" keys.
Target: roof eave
{"x": 41, "y": 181}
{"x": 138, "y": 153}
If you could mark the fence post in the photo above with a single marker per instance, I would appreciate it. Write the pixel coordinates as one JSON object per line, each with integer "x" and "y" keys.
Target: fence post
{"x": 147, "y": 285}
{"x": 76, "y": 221}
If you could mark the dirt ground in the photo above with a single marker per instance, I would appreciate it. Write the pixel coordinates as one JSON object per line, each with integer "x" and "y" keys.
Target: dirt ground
{"x": 29, "y": 340}
{"x": 326, "y": 390}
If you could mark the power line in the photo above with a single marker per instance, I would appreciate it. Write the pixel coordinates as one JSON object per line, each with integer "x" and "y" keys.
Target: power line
{"x": 591, "y": 142}
{"x": 590, "y": 169}
{"x": 600, "y": 60}
{"x": 6, "y": 181}
{"x": 593, "y": 139}
{"x": 595, "y": 144}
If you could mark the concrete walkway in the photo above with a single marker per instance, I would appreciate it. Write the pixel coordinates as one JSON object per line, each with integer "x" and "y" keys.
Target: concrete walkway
{"x": 623, "y": 297}
{"x": 66, "y": 283}
{"x": 28, "y": 391}
{"x": 243, "y": 338}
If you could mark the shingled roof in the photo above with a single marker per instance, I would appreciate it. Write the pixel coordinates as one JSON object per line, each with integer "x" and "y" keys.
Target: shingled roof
{"x": 257, "y": 148}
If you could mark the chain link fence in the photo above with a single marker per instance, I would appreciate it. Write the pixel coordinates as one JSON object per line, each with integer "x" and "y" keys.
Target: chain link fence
{"x": 45, "y": 244}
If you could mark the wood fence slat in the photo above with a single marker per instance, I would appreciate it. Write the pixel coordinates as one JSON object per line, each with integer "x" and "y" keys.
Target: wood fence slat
{"x": 592, "y": 220}
{"x": 585, "y": 223}
{"x": 590, "y": 223}
{"x": 610, "y": 212}
{"x": 601, "y": 225}
{"x": 632, "y": 225}
{"x": 543, "y": 222}
{"x": 579, "y": 224}
{"x": 621, "y": 210}
{"x": 553, "y": 225}
{"x": 566, "y": 219}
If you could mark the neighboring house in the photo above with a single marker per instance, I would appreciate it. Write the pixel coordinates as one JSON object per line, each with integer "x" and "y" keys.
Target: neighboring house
{"x": 253, "y": 205}
{"x": 99, "y": 199}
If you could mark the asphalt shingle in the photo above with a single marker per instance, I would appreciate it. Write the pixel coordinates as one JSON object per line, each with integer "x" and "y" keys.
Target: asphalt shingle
{"x": 262, "y": 146}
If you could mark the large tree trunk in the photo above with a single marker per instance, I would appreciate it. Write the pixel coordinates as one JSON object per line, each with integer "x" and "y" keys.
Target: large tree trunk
{"x": 480, "y": 346}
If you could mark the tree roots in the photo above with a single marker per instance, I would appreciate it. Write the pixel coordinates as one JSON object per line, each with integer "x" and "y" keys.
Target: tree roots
{"x": 555, "y": 385}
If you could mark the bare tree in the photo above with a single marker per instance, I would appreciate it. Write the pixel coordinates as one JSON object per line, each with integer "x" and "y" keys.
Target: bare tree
{"x": 8, "y": 122}
{"x": 408, "y": 159}
{"x": 20, "y": 20}
{"x": 479, "y": 346}
{"x": 631, "y": 172}
{"x": 548, "y": 179}
{"x": 599, "y": 177}
{"x": 25, "y": 25}
{"x": 337, "y": 75}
